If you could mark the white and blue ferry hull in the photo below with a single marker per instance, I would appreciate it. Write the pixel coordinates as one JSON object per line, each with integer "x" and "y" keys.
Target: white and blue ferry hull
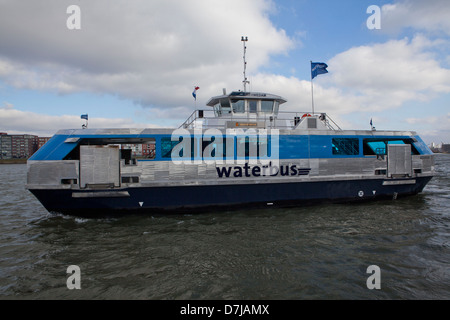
{"x": 84, "y": 173}
{"x": 196, "y": 199}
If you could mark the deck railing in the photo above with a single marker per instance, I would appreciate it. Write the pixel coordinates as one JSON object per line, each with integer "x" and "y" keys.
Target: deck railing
{"x": 294, "y": 117}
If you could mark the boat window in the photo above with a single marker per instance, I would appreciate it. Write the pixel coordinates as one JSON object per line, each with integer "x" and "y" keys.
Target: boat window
{"x": 238, "y": 106}
{"x": 243, "y": 146}
{"x": 130, "y": 153}
{"x": 167, "y": 145}
{"x": 266, "y": 106}
{"x": 130, "y": 148}
{"x": 126, "y": 155}
{"x": 276, "y": 106}
{"x": 378, "y": 146}
{"x": 219, "y": 145}
{"x": 217, "y": 110}
{"x": 225, "y": 106}
{"x": 130, "y": 179}
{"x": 345, "y": 146}
{"x": 252, "y": 106}
{"x": 74, "y": 154}
{"x": 264, "y": 147}
{"x": 149, "y": 150}
{"x": 374, "y": 147}
{"x": 252, "y": 146}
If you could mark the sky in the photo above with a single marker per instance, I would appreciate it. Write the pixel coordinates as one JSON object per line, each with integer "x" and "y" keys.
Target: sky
{"x": 135, "y": 63}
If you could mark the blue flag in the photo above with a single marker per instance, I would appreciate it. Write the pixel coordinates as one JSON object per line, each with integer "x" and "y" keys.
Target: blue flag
{"x": 318, "y": 68}
{"x": 84, "y": 116}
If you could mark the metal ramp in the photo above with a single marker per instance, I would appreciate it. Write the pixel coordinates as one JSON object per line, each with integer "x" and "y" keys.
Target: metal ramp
{"x": 399, "y": 161}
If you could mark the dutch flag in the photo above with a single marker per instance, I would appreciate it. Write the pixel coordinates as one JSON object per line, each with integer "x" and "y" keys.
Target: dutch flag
{"x": 194, "y": 93}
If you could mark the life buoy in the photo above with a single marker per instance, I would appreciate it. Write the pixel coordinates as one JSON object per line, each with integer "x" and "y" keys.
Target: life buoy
{"x": 306, "y": 115}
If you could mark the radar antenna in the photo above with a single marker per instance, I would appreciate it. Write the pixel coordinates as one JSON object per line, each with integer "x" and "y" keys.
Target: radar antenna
{"x": 244, "y": 40}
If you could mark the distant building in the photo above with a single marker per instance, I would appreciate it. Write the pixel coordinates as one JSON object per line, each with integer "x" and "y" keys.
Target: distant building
{"x": 148, "y": 150}
{"x": 42, "y": 141}
{"x": 5, "y": 146}
{"x": 136, "y": 149}
{"x": 440, "y": 148}
{"x": 445, "y": 148}
{"x": 20, "y": 146}
{"x": 23, "y": 146}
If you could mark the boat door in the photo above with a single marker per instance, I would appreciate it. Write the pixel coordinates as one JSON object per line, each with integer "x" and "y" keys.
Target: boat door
{"x": 99, "y": 166}
{"x": 399, "y": 161}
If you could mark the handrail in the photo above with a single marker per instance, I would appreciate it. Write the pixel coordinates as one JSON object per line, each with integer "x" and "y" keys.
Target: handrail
{"x": 282, "y": 115}
{"x": 187, "y": 123}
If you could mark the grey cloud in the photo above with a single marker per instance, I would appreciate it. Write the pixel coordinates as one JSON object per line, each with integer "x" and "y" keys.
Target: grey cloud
{"x": 426, "y": 16}
{"x": 151, "y": 52}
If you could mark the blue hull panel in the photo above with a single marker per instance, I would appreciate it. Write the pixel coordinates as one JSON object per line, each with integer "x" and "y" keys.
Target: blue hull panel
{"x": 195, "y": 199}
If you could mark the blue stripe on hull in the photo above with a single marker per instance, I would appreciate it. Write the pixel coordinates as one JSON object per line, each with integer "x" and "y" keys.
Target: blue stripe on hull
{"x": 195, "y": 199}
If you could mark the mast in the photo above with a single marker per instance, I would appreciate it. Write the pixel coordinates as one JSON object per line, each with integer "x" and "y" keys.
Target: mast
{"x": 244, "y": 40}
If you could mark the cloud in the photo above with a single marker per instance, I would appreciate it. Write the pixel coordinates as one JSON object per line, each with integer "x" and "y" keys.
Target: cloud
{"x": 33, "y": 123}
{"x": 7, "y": 106}
{"x": 367, "y": 79}
{"x": 151, "y": 52}
{"x": 433, "y": 128}
{"x": 328, "y": 99}
{"x": 386, "y": 75}
{"x": 430, "y": 16}
{"x": 155, "y": 52}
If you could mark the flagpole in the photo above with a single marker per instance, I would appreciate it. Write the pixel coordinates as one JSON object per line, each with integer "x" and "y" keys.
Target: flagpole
{"x": 319, "y": 68}
{"x": 312, "y": 91}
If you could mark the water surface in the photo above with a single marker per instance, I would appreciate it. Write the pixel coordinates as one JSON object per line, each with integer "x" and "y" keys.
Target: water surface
{"x": 319, "y": 252}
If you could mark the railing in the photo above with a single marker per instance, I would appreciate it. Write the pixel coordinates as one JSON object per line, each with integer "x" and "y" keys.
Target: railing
{"x": 269, "y": 119}
{"x": 193, "y": 117}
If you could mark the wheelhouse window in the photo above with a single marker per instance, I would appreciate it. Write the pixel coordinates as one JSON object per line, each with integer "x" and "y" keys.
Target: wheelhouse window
{"x": 238, "y": 106}
{"x": 345, "y": 146}
{"x": 217, "y": 110}
{"x": 276, "y": 106}
{"x": 252, "y": 106}
{"x": 225, "y": 106}
{"x": 267, "y": 106}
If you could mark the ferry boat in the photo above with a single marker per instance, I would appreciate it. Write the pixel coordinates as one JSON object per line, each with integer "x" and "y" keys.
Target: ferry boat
{"x": 240, "y": 152}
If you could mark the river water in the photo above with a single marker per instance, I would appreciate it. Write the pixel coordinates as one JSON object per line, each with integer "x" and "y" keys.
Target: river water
{"x": 320, "y": 252}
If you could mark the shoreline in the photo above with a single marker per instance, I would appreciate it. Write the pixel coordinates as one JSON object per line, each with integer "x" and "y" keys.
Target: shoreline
{"x": 13, "y": 161}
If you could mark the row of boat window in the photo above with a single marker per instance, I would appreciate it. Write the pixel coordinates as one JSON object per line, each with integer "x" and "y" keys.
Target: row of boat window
{"x": 245, "y": 147}
{"x": 261, "y": 147}
{"x": 371, "y": 146}
{"x": 245, "y": 106}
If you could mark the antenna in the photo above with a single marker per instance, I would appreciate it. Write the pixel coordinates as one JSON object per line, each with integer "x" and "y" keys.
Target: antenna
{"x": 244, "y": 40}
